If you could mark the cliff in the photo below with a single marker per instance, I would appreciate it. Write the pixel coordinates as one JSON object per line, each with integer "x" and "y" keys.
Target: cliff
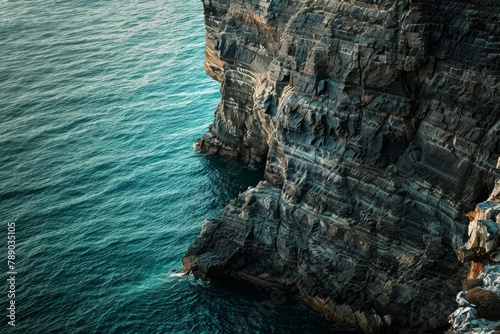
{"x": 378, "y": 124}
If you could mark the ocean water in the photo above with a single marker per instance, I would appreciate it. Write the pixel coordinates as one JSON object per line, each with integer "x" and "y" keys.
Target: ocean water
{"x": 100, "y": 103}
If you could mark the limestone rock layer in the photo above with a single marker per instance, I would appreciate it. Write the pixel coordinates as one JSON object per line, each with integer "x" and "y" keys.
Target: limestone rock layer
{"x": 378, "y": 123}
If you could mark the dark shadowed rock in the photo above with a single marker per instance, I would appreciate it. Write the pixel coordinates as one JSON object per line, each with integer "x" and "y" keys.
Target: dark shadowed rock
{"x": 471, "y": 283}
{"x": 378, "y": 123}
{"x": 487, "y": 303}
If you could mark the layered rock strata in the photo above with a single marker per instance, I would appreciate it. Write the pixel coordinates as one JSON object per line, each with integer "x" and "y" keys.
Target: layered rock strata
{"x": 378, "y": 123}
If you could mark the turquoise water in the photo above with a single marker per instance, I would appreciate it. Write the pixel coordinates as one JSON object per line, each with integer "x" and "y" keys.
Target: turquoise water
{"x": 100, "y": 103}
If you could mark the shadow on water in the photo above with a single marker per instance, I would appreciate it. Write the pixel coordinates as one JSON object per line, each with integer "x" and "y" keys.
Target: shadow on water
{"x": 255, "y": 309}
{"x": 230, "y": 177}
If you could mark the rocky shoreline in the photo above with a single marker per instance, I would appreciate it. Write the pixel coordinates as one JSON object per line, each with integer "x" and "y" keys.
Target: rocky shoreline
{"x": 379, "y": 127}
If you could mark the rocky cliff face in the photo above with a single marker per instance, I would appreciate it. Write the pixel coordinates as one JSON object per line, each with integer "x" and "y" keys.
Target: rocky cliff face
{"x": 378, "y": 122}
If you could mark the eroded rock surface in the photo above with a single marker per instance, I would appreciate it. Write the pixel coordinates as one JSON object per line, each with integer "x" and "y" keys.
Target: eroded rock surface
{"x": 378, "y": 122}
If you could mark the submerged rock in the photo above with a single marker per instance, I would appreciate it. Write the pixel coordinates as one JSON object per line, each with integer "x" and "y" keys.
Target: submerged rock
{"x": 378, "y": 123}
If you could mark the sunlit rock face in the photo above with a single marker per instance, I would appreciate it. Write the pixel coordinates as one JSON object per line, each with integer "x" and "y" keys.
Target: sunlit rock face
{"x": 378, "y": 124}
{"x": 479, "y": 302}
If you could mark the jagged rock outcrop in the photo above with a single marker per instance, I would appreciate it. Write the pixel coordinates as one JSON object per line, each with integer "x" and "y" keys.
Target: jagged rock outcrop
{"x": 484, "y": 235}
{"x": 378, "y": 123}
{"x": 479, "y": 302}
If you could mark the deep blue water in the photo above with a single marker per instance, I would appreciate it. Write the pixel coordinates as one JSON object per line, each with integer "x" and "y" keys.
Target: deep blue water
{"x": 100, "y": 103}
